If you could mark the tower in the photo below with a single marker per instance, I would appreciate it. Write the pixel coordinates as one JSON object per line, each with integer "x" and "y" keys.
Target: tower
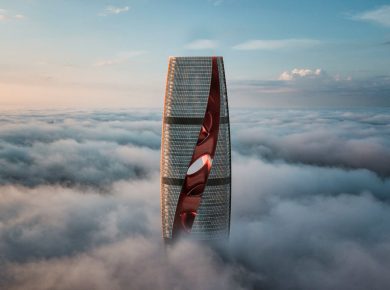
{"x": 195, "y": 150}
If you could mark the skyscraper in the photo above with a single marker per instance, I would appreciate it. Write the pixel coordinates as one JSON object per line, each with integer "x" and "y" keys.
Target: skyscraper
{"x": 195, "y": 150}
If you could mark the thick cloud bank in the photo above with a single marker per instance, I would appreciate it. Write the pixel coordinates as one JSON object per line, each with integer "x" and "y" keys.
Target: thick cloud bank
{"x": 79, "y": 203}
{"x": 355, "y": 139}
{"x": 93, "y": 149}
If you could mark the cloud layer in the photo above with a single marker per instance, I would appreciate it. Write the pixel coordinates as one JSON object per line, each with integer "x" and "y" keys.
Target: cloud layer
{"x": 71, "y": 151}
{"x": 333, "y": 138}
{"x": 80, "y": 204}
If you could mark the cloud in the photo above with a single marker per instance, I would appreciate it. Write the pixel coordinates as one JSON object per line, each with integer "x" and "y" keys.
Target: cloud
{"x": 274, "y": 44}
{"x": 305, "y": 87}
{"x": 320, "y": 241}
{"x": 3, "y": 14}
{"x": 130, "y": 264}
{"x": 218, "y": 2}
{"x": 69, "y": 163}
{"x": 302, "y": 73}
{"x": 112, "y": 10}
{"x": 202, "y": 44}
{"x": 359, "y": 144}
{"x": 6, "y": 15}
{"x": 121, "y": 58}
{"x": 296, "y": 224}
{"x": 72, "y": 220}
{"x": 379, "y": 16}
{"x": 73, "y": 151}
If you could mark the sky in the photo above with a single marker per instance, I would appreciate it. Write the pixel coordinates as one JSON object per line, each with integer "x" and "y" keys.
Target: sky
{"x": 104, "y": 54}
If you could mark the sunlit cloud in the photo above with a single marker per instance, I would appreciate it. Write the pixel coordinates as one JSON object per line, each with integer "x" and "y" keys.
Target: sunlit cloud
{"x": 379, "y": 15}
{"x": 297, "y": 73}
{"x": 112, "y": 10}
{"x": 7, "y": 15}
{"x": 271, "y": 44}
{"x": 3, "y": 13}
{"x": 202, "y": 44}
